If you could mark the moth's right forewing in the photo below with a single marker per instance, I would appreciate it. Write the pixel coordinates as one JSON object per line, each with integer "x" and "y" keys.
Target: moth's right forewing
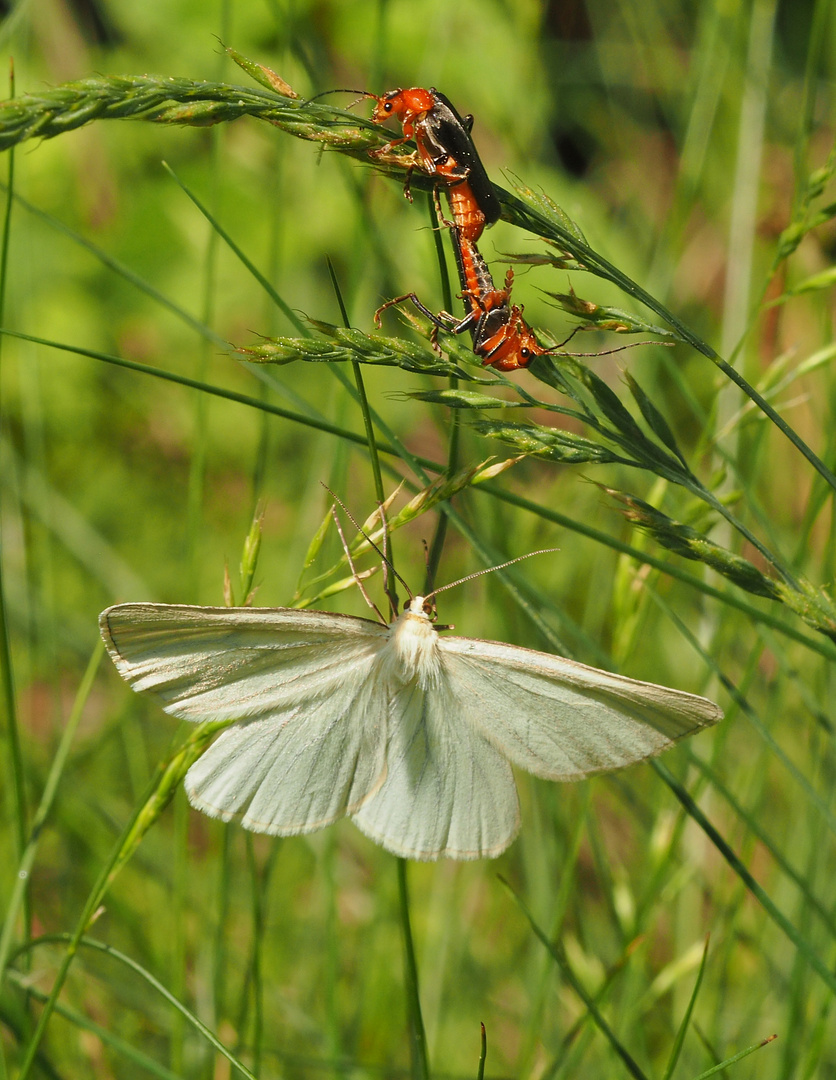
{"x": 204, "y": 663}
{"x": 563, "y": 720}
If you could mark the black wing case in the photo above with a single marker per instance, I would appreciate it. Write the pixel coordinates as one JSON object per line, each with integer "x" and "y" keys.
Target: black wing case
{"x": 451, "y": 135}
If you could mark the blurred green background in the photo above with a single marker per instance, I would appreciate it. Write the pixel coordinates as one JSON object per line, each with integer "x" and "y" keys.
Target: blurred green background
{"x": 680, "y": 138}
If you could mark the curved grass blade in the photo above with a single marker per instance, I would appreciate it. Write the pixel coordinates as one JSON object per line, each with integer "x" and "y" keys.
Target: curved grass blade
{"x": 559, "y": 956}
{"x": 155, "y": 984}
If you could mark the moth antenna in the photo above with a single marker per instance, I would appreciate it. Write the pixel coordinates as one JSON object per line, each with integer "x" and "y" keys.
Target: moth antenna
{"x": 353, "y": 568}
{"x": 366, "y": 536}
{"x": 489, "y": 570}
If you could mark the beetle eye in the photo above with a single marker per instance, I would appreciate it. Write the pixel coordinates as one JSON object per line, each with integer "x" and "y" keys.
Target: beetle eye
{"x": 388, "y": 106}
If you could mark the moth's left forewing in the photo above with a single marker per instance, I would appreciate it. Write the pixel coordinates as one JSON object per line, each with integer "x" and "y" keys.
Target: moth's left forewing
{"x": 205, "y": 663}
{"x": 563, "y": 720}
{"x": 305, "y": 690}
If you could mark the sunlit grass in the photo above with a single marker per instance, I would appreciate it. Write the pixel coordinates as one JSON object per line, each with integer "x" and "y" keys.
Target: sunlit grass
{"x": 582, "y": 948}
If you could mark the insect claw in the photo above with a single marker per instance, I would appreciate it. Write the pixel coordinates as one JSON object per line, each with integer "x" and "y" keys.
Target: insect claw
{"x": 407, "y": 194}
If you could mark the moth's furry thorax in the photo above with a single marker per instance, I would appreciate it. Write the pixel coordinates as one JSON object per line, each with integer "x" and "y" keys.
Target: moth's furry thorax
{"x": 412, "y": 647}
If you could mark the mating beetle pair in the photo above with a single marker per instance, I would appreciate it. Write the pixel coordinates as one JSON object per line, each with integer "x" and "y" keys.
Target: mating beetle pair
{"x": 445, "y": 151}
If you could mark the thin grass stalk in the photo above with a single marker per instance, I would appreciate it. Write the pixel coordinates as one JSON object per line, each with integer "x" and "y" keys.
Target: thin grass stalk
{"x": 20, "y": 891}
{"x": 256, "y": 975}
{"x": 197, "y": 465}
{"x": 710, "y": 62}
{"x": 222, "y": 907}
{"x": 562, "y": 1063}
{"x": 56, "y": 770}
{"x": 7, "y": 214}
{"x": 177, "y": 924}
{"x": 4, "y": 1070}
{"x": 798, "y": 996}
{"x": 686, "y": 1019}
{"x": 437, "y": 546}
{"x": 285, "y": 308}
{"x": 294, "y": 320}
{"x": 519, "y": 213}
{"x": 107, "y": 260}
{"x": 371, "y": 443}
{"x": 15, "y": 770}
{"x": 483, "y": 1053}
{"x": 91, "y": 905}
{"x": 806, "y": 948}
{"x": 567, "y": 888}
{"x": 419, "y": 463}
{"x": 155, "y": 984}
{"x": 753, "y": 826}
{"x": 559, "y": 956}
{"x": 179, "y": 101}
{"x": 331, "y": 950}
{"x": 803, "y": 946}
{"x": 159, "y": 792}
{"x": 737, "y": 299}
{"x": 822, "y": 13}
{"x": 273, "y": 272}
{"x": 733, "y": 1060}
{"x": 217, "y": 391}
{"x": 193, "y": 529}
{"x": 83, "y": 1023}
{"x": 417, "y": 1037}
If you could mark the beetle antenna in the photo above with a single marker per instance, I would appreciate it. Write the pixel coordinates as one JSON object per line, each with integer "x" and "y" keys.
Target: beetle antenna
{"x": 605, "y": 352}
{"x": 361, "y": 94}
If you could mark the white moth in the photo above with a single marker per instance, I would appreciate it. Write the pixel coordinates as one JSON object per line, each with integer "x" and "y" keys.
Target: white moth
{"x": 410, "y": 734}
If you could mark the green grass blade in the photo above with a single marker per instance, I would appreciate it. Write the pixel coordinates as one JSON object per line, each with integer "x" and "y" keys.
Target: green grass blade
{"x": 417, "y": 1036}
{"x": 804, "y": 946}
{"x": 146, "y": 976}
{"x": 558, "y": 954}
{"x": 676, "y": 1050}
{"x": 120, "y": 1046}
{"x": 219, "y": 230}
{"x": 735, "y": 1058}
{"x": 42, "y": 812}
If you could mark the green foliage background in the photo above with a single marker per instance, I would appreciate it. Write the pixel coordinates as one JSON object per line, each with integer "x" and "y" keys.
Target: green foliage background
{"x": 692, "y": 145}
